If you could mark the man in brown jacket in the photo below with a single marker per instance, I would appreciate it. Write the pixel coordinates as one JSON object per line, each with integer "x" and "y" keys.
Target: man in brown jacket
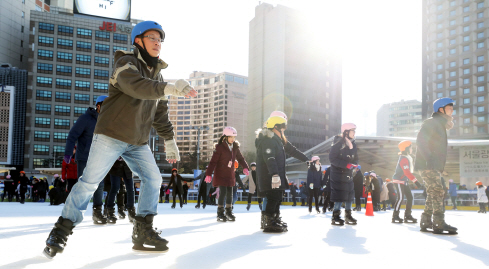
{"x": 137, "y": 101}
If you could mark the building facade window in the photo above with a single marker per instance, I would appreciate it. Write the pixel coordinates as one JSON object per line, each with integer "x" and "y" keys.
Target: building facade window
{"x": 82, "y": 98}
{"x": 44, "y": 68}
{"x": 41, "y": 149}
{"x": 65, "y": 30}
{"x": 45, "y": 54}
{"x": 83, "y": 59}
{"x": 63, "y": 97}
{"x": 61, "y": 123}
{"x": 101, "y": 61}
{"x": 101, "y": 48}
{"x": 42, "y": 122}
{"x": 63, "y": 70}
{"x": 100, "y": 87}
{"x": 43, "y": 95}
{"x": 60, "y": 137}
{"x": 42, "y": 136}
{"x": 101, "y": 35}
{"x": 43, "y": 109}
{"x": 480, "y": 99}
{"x": 82, "y": 85}
{"x": 80, "y": 110}
{"x": 65, "y": 43}
{"x": 62, "y": 110}
{"x": 46, "y": 27}
{"x": 45, "y": 41}
{"x": 44, "y": 81}
{"x": 83, "y": 72}
{"x": 480, "y": 88}
{"x": 65, "y": 57}
{"x": 101, "y": 74}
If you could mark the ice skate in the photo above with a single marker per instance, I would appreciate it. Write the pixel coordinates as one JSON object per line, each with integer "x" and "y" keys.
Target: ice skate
{"x": 396, "y": 218}
{"x": 144, "y": 234}
{"x": 349, "y": 219}
{"x": 229, "y": 214}
{"x": 279, "y": 221}
{"x": 426, "y": 223}
{"x": 173, "y": 206}
{"x": 408, "y": 218}
{"x": 248, "y": 207}
{"x": 56, "y": 241}
{"x": 197, "y": 206}
{"x": 336, "y": 219}
{"x": 220, "y": 214}
{"x": 120, "y": 211}
{"x": 271, "y": 225}
{"x": 131, "y": 214}
{"x": 440, "y": 226}
{"x": 111, "y": 218}
{"x": 97, "y": 216}
{"x": 203, "y": 206}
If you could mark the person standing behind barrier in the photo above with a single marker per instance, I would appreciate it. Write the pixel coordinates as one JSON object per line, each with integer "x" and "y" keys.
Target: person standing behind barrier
{"x": 343, "y": 157}
{"x": 481, "y": 197}
{"x": 251, "y": 178}
{"x": 430, "y": 161}
{"x": 314, "y": 178}
{"x": 452, "y": 190}
{"x": 303, "y": 192}
{"x": 293, "y": 192}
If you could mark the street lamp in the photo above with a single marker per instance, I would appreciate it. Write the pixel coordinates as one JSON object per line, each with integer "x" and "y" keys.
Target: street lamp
{"x": 198, "y": 128}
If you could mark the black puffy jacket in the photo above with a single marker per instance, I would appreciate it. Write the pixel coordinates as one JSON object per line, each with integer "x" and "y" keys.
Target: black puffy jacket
{"x": 342, "y": 188}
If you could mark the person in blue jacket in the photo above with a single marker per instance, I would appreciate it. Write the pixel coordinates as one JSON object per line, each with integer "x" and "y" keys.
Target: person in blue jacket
{"x": 452, "y": 191}
{"x": 314, "y": 178}
{"x": 82, "y": 134}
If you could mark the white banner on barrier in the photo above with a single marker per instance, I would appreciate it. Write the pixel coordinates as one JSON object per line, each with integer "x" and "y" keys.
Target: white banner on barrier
{"x": 474, "y": 161}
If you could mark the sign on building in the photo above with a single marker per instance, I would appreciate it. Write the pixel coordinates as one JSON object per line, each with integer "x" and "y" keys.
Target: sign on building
{"x": 474, "y": 161}
{"x": 114, "y": 9}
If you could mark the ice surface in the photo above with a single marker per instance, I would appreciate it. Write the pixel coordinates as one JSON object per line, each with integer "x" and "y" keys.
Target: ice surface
{"x": 198, "y": 241}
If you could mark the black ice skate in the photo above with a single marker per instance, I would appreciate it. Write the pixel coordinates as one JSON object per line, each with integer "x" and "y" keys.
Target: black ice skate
{"x": 349, "y": 219}
{"x": 197, "y": 206}
{"x": 440, "y": 226}
{"x": 144, "y": 234}
{"x": 220, "y": 214}
{"x": 336, "y": 219}
{"x": 396, "y": 218}
{"x": 111, "y": 218}
{"x": 271, "y": 225}
{"x": 56, "y": 241}
{"x": 131, "y": 214}
{"x": 279, "y": 221}
{"x": 173, "y": 207}
{"x": 203, "y": 206}
{"x": 229, "y": 214}
{"x": 97, "y": 216}
{"x": 408, "y": 218}
{"x": 120, "y": 211}
{"x": 248, "y": 207}
{"x": 426, "y": 223}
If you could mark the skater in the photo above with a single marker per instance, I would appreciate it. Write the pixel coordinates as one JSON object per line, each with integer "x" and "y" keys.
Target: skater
{"x": 252, "y": 186}
{"x": 239, "y": 183}
{"x": 452, "y": 190}
{"x": 222, "y": 165}
{"x": 481, "y": 197}
{"x": 176, "y": 183}
{"x": 430, "y": 161}
{"x": 374, "y": 188}
{"x": 120, "y": 172}
{"x": 9, "y": 187}
{"x": 387, "y": 195}
{"x": 137, "y": 101}
{"x": 185, "y": 192}
{"x": 162, "y": 192}
{"x": 271, "y": 147}
{"x": 328, "y": 205}
{"x": 293, "y": 192}
{"x": 343, "y": 157}
{"x": 204, "y": 189}
{"x": 314, "y": 178}
{"x": 303, "y": 193}
{"x": 22, "y": 182}
{"x": 403, "y": 173}
{"x": 358, "y": 187}
{"x": 69, "y": 171}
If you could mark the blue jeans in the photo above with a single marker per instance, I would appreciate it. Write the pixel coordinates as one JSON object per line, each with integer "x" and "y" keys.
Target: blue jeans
{"x": 337, "y": 205}
{"x": 115, "y": 185}
{"x": 103, "y": 154}
{"x": 98, "y": 195}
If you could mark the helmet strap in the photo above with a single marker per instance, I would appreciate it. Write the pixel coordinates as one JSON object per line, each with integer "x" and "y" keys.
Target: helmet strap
{"x": 150, "y": 61}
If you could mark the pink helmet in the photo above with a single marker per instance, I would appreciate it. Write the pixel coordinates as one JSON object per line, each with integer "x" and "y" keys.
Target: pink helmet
{"x": 56, "y": 175}
{"x": 8, "y": 176}
{"x": 373, "y": 174}
{"x": 230, "y": 131}
{"x": 278, "y": 114}
{"x": 347, "y": 126}
{"x": 314, "y": 158}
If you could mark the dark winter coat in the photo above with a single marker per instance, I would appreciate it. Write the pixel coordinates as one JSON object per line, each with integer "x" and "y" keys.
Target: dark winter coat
{"x": 222, "y": 164}
{"x": 24, "y": 182}
{"x": 82, "y": 134}
{"x": 120, "y": 169}
{"x": 342, "y": 188}
{"x": 314, "y": 176}
{"x": 326, "y": 180}
{"x": 293, "y": 190}
{"x": 176, "y": 183}
{"x": 41, "y": 187}
{"x": 358, "y": 183}
{"x": 60, "y": 184}
{"x": 304, "y": 191}
{"x": 431, "y": 143}
{"x": 204, "y": 187}
{"x": 69, "y": 170}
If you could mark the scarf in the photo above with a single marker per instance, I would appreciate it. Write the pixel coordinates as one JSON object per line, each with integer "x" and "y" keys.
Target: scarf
{"x": 150, "y": 61}
{"x": 348, "y": 143}
{"x": 449, "y": 124}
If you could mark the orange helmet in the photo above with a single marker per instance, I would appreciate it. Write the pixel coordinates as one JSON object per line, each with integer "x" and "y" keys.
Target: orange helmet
{"x": 404, "y": 145}
{"x": 22, "y": 172}
{"x": 174, "y": 169}
{"x": 388, "y": 180}
{"x": 236, "y": 164}
{"x": 478, "y": 183}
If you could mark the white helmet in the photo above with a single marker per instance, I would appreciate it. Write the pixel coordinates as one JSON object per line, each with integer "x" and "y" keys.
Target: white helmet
{"x": 347, "y": 126}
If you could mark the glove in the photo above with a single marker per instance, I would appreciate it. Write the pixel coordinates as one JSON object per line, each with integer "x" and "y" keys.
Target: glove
{"x": 172, "y": 153}
{"x": 246, "y": 171}
{"x": 351, "y": 166}
{"x": 276, "y": 182}
{"x": 208, "y": 179}
{"x": 67, "y": 158}
{"x": 311, "y": 186}
{"x": 180, "y": 88}
{"x": 418, "y": 185}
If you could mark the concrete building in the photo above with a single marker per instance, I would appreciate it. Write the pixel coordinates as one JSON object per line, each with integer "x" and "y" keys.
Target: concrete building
{"x": 13, "y": 90}
{"x": 400, "y": 119}
{"x": 69, "y": 65}
{"x": 290, "y": 71}
{"x": 14, "y": 30}
{"x": 221, "y": 102}
{"x": 455, "y": 62}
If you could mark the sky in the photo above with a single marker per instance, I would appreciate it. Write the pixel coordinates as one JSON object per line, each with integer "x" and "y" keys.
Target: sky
{"x": 378, "y": 40}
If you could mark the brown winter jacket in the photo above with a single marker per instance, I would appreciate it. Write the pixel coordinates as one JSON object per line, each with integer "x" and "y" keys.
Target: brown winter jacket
{"x": 134, "y": 104}
{"x": 223, "y": 174}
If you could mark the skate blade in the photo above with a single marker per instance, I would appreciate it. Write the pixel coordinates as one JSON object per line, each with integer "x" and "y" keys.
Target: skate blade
{"x": 48, "y": 253}
{"x": 143, "y": 249}
{"x": 337, "y": 224}
{"x": 443, "y": 232}
{"x": 410, "y": 222}
{"x": 99, "y": 222}
{"x": 351, "y": 223}
{"x": 272, "y": 232}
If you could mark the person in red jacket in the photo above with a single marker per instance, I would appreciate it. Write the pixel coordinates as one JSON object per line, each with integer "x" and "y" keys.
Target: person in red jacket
{"x": 222, "y": 165}
{"x": 404, "y": 172}
{"x": 69, "y": 172}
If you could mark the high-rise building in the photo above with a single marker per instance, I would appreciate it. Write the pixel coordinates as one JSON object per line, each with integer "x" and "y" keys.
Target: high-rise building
{"x": 455, "y": 62}
{"x": 71, "y": 59}
{"x": 221, "y": 102}
{"x": 401, "y": 119}
{"x": 14, "y": 33}
{"x": 13, "y": 90}
{"x": 291, "y": 72}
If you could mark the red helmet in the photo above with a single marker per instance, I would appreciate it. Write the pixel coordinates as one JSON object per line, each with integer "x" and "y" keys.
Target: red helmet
{"x": 174, "y": 169}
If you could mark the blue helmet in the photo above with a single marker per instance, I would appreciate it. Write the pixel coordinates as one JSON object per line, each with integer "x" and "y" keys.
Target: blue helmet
{"x": 100, "y": 99}
{"x": 366, "y": 173}
{"x": 442, "y": 102}
{"x": 144, "y": 26}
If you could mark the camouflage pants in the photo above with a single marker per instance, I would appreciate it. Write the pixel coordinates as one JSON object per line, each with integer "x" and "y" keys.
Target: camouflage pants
{"x": 434, "y": 192}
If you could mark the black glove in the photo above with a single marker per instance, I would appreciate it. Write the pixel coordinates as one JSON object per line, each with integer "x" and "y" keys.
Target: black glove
{"x": 418, "y": 185}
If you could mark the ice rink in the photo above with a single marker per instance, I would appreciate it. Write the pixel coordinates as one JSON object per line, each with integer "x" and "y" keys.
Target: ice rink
{"x": 198, "y": 241}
